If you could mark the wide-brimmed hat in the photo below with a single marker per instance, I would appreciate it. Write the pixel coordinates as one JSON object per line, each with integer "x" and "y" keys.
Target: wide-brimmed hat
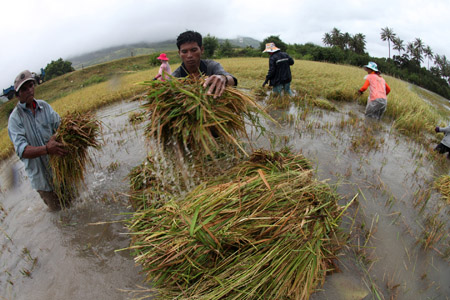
{"x": 23, "y": 77}
{"x": 270, "y": 47}
{"x": 163, "y": 56}
{"x": 371, "y": 65}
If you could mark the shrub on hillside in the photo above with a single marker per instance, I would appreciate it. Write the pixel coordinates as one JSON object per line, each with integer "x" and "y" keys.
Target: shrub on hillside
{"x": 58, "y": 68}
{"x": 153, "y": 60}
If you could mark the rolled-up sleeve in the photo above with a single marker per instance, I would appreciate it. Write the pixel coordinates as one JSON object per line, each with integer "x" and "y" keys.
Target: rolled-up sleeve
{"x": 16, "y": 132}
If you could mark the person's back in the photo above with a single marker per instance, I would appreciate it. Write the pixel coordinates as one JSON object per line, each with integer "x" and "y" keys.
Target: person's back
{"x": 283, "y": 70}
{"x": 378, "y": 91}
{"x": 377, "y": 87}
{"x": 279, "y": 75}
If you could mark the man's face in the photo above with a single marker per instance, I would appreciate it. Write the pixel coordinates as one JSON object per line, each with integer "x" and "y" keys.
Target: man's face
{"x": 190, "y": 54}
{"x": 26, "y": 92}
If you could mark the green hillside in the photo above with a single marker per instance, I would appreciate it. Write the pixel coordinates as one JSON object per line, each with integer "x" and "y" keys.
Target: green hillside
{"x": 143, "y": 48}
{"x": 118, "y": 52}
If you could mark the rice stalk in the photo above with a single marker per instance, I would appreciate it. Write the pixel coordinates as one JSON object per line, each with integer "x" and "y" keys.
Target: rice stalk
{"x": 180, "y": 111}
{"x": 442, "y": 184}
{"x": 266, "y": 229}
{"x": 76, "y": 132}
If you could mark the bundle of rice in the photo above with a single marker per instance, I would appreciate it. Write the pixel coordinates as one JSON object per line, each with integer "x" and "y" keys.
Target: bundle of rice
{"x": 180, "y": 111}
{"x": 442, "y": 184}
{"x": 264, "y": 230}
{"x": 155, "y": 181}
{"x": 76, "y": 132}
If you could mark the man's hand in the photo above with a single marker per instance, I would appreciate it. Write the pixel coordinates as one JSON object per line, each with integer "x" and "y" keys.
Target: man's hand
{"x": 360, "y": 92}
{"x": 217, "y": 85}
{"x": 55, "y": 148}
{"x": 436, "y": 129}
{"x": 265, "y": 82}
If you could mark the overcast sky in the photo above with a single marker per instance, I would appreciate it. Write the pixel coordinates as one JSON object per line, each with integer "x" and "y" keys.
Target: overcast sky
{"x": 37, "y": 32}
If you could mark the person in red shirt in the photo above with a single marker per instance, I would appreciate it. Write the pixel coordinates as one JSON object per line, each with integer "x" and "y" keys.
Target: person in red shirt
{"x": 378, "y": 91}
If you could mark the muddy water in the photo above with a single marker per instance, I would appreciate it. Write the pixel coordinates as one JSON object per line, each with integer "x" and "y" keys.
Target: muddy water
{"x": 385, "y": 259}
{"x": 70, "y": 254}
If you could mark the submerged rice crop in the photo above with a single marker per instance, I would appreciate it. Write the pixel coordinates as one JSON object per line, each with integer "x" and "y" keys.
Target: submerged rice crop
{"x": 265, "y": 229}
{"x": 76, "y": 132}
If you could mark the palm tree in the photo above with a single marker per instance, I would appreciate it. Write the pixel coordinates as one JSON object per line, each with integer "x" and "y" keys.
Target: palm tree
{"x": 398, "y": 45}
{"x": 387, "y": 34}
{"x": 438, "y": 60}
{"x": 337, "y": 38}
{"x": 443, "y": 65}
{"x": 358, "y": 43}
{"x": 327, "y": 40}
{"x": 410, "y": 49}
{"x": 418, "y": 45}
{"x": 346, "y": 37}
{"x": 414, "y": 52}
{"x": 428, "y": 54}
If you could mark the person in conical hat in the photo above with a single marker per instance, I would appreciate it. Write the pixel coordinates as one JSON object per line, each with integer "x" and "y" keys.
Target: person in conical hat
{"x": 164, "y": 69}
{"x": 378, "y": 91}
{"x": 279, "y": 74}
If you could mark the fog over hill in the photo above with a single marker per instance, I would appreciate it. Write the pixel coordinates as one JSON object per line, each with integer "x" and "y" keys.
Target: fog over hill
{"x": 142, "y": 48}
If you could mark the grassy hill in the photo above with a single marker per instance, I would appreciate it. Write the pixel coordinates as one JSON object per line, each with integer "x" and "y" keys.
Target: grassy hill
{"x": 118, "y": 52}
{"x": 95, "y": 86}
{"x": 143, "y": 48}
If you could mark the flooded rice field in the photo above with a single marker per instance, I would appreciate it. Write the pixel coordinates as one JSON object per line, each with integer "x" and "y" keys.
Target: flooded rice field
{"x": 72, "y": 254}
{"x": 399, "y": 240}
{"x": 398, "y": 245}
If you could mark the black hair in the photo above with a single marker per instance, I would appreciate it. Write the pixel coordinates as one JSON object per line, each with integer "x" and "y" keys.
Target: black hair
{"x": 188, "y": 37}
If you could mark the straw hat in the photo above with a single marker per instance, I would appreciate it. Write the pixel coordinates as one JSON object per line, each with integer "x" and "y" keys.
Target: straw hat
{"x": 270, "y": 47}
{"x": 371, "y": 65}
{"x": 163, "y": 56}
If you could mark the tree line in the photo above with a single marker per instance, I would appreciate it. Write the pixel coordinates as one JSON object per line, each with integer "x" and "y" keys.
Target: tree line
{"x": 340, "y": 47}
{"x": 345, "y": 48}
